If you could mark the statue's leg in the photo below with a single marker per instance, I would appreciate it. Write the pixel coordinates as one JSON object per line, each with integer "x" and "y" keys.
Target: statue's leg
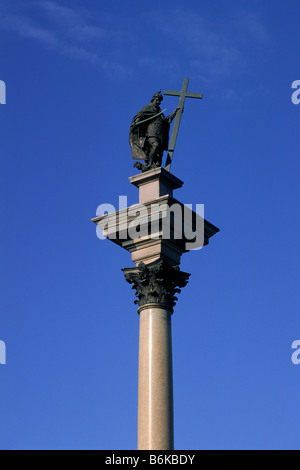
{"x": 159, "y": 159}
{"x": 154, "y": 146}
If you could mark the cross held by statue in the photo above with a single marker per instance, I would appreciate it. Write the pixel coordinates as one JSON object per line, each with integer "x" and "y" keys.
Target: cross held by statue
{"x": 183, "y": 94}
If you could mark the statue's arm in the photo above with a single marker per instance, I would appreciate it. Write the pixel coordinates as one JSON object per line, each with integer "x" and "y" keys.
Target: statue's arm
{"x": 172, "y": 116}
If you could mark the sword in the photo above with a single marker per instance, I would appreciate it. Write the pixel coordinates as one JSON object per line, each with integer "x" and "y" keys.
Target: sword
{"x": 148, "y": 119}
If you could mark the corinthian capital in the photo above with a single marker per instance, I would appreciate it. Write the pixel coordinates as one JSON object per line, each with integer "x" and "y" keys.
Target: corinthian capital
{"x": 156, "y": 283}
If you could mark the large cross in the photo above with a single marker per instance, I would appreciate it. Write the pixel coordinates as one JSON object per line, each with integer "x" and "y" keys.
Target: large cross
{"x": 183, "y": 95}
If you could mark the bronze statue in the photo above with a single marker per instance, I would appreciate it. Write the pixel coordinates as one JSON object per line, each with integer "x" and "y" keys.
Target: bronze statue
{"x": 149, "y": 134}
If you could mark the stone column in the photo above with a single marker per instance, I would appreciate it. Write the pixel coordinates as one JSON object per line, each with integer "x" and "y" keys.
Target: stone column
{"x": 155, "y": 285}
{"x": 155, "y": 390}
{"x": 156, "y": 279}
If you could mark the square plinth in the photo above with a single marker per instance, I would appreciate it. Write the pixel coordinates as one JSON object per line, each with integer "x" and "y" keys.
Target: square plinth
{"x": 155, "y": 183}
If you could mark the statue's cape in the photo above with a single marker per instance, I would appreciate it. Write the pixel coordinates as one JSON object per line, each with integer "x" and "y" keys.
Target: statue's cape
{"x": 138, "y": 132}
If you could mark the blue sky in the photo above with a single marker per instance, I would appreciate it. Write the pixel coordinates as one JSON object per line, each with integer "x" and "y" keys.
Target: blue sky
{"x": 76, "y": 73}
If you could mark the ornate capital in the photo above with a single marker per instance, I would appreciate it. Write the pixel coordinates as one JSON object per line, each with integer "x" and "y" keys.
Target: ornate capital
{"x": 156, "y": 283}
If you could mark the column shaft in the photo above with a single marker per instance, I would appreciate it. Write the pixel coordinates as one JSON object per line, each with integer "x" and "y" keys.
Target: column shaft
{"x": 155, "y": 391}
